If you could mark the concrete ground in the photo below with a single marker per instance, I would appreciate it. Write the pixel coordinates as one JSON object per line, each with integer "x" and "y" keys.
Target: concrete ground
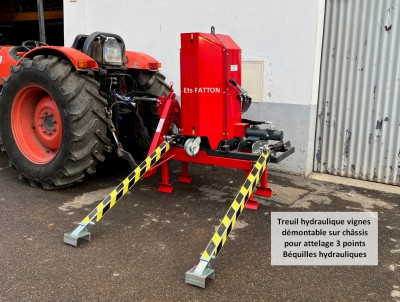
{"x": 142, "y": 248}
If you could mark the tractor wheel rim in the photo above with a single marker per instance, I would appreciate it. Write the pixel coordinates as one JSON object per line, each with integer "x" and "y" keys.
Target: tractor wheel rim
{"x": 36, "y": 124}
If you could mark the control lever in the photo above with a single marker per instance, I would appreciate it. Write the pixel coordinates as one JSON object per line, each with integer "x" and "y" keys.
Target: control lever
{"x": 243, "y": 96}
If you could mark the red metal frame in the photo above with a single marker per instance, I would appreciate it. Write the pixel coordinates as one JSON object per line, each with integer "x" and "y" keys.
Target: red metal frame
{"x": 210, "y": 108}
{"x": 170, "y": 113}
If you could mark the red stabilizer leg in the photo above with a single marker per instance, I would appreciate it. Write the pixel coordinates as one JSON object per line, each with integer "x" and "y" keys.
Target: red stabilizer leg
{"x": 251, "y": 204}
{"x": 263, "y": 189}
{"x": 164, "y": 185}
{"x": 185, "y": 177}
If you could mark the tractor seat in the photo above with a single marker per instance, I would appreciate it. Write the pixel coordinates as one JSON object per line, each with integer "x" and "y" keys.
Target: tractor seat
{"x": 79, "y": 42}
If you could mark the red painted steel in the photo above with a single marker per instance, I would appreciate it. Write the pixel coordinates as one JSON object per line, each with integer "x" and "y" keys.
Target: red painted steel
{"x": 78, "y": 59}
{"x": 6, "y": 61}
{"x": 165, "y": 185}
{"x": 37, "y": 126}
{"x": 140, "y": 60}
{"x": 179, "y": 154}
{"x": 263, "y": 189}
{"x": 210, "y": 106}
{"x": 240, "y": 129}
{"x": 185, "y": 177}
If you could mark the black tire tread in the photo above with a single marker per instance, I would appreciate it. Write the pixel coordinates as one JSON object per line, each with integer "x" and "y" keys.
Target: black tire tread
{"x": 85, "y": 111}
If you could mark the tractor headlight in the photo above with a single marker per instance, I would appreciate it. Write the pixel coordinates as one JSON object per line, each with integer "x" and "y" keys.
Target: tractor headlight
{"x": 112, "y": 52}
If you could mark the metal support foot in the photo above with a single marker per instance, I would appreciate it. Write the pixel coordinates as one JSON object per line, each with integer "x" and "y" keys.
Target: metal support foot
{"x": 198, "y": 274}
{"x": 251, "y": 204}
{"x": 265, "y": 192}
{"x": 165, "y": 186}
{"x": 185, "y": 177}
{"x": 81, "y": 232}
{"x": 263, "y": 189}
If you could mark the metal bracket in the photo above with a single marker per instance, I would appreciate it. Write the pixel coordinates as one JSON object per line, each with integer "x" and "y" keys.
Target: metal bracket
{"x": 81, "y": 232}
{"x": 198, "y": 274}
{"x": 119, "y": 149}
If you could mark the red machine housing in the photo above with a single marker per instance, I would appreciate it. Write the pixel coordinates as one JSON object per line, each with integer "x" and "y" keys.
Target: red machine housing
{"x": 210, "y": 106}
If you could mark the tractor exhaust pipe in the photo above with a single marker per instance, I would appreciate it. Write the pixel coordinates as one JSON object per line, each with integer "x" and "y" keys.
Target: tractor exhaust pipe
{"x": 42, "y": 32}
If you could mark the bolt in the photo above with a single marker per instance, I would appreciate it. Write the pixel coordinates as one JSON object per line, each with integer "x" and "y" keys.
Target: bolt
{"x": 45, "y": 113}
{"x": 50, "y": 114}
{"x": 40, "y": 124}
{"x": 54, "y": 122}
{"x": 49, "y": 133}
{"x": 44, "y": 131}
{"x": 33, "y": 126}
{"x": 54, "y": 130}
{"x": 41, "y": 116}
{"x": 48, "y": 150}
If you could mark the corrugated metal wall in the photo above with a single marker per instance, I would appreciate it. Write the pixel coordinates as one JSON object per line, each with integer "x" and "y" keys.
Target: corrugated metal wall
{"x": 358, "y": 117}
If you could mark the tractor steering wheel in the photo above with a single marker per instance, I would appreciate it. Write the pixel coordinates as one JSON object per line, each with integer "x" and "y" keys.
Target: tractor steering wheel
{"x": 31, "y": 44}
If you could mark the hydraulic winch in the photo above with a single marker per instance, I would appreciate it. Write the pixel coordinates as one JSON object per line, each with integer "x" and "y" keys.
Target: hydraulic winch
{"x": 206, "y": 127}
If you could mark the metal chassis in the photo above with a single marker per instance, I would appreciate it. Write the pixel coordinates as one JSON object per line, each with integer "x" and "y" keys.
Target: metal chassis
{"x": 169, "y": 114}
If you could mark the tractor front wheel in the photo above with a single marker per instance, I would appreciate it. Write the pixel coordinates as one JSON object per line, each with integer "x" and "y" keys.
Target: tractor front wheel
{"x": 53, "y": 122}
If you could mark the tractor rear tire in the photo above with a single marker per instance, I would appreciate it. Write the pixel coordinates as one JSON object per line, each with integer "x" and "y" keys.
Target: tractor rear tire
{"x": 153, "y": 83}
{"x": 53, "y": 122}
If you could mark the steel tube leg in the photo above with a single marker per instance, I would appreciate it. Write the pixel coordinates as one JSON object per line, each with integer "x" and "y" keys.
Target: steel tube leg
{"x": 165, "y": 185}
{"x": 185, "y": 177}
{"x": 263, "y": 189}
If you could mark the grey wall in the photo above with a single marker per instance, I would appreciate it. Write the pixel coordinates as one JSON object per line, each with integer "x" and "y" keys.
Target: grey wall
{"x": 359, "y": 111}
{"x": 298, "y": 123}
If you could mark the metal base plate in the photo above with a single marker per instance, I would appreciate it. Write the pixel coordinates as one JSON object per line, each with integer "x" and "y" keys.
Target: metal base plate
{"x": 185, "y": 179}
{"x": 165, "y": 188}
{"x": 251, "y": 205}
{"x": 199, "y": 280}
{"x": 73, "y": 240}
{"x": 265, "y": 192}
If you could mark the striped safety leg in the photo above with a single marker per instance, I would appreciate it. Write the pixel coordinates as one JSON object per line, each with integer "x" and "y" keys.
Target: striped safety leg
{"x": 197, "y": 275}
{"x": 82, "y": 230}
{"x": 228, "y": 222}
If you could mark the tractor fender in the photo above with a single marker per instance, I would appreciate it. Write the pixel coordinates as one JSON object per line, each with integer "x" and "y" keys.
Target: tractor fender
{"x": 140, "y": 60}
{"x": 6, "y": 61}
{"x": 78, "y": 59}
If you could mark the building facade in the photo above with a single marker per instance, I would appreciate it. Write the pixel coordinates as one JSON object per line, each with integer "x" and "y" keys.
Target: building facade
{"x": 296, "y": 55}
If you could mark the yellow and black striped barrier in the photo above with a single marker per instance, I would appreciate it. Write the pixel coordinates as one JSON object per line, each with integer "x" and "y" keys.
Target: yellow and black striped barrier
{"x": 197, "y": 275}
{"x": 82, "y": 231}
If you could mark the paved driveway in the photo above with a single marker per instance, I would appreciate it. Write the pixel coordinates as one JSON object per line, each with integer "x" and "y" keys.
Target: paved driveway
{"x": 142, "y": 248}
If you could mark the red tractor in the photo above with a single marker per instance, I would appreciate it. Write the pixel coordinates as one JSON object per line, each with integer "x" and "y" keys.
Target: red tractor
{"x": 62, "y": 107}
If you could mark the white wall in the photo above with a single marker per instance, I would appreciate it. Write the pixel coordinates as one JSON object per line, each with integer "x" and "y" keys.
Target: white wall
{"x": 286, "y": 35}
